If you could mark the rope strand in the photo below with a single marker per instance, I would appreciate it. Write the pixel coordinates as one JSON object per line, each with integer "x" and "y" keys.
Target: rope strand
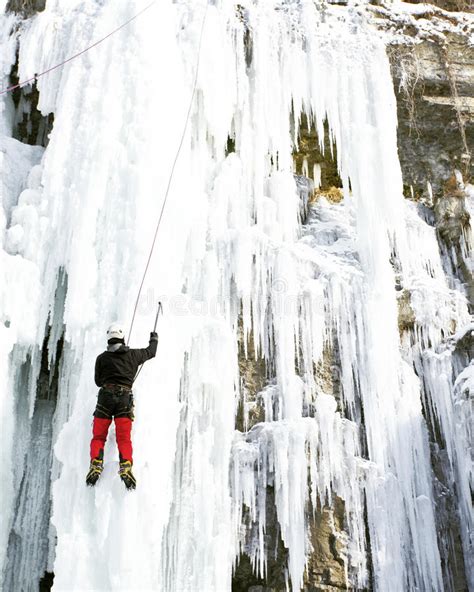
{"x": 171, "y": 173}
{"x": 73, "y": 57}
{"x": 76, "y": 55}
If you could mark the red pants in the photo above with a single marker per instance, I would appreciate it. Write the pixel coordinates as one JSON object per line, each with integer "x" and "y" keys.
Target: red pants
{"x": 123, "y": 429}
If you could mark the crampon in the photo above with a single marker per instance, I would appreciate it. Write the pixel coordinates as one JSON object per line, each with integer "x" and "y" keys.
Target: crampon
{"x": 126, "y": 474}
{"x": 95, "y": 470}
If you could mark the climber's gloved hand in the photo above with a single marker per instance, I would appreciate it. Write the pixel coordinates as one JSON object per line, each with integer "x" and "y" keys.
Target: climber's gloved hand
{"x": 153, "y": 336}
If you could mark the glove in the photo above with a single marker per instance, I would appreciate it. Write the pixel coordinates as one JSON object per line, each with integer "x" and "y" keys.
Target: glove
{"x": 153, "y": 336}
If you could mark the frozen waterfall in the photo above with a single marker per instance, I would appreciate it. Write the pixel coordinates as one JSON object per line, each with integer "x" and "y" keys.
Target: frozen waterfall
{"x": 243, "y": 273}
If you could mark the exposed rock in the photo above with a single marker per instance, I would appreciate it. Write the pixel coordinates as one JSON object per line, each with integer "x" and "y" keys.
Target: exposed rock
{"x": 449, "y": 536}
{"x": 310, "y": 161}
{"x": 253, "y": 376}
{"x": 452, "y": 217}
{"x": 333, "y": 194}
{"x": 465, "y": 347}
{"x": 326, "y": 566}
{"x": 451, "y": 5}
{"x": 326, "y": 569}
{"x": 46, "y": 582}
{"x": 434, "y": 85}
{"x": 327, "y": 372}
{"x": 406, "y": 314}
{"x": 26, "y": 7}
{"x": 454, "y": 226}
{"x": 245, "y": 578}
{"x": 29, "y": 125}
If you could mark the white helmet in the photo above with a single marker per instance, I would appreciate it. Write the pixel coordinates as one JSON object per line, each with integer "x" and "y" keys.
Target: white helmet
{"x": 115, "y": 331}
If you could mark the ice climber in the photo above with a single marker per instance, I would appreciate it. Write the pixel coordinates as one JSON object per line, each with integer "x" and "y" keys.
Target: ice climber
{"x": 115, "y": 371}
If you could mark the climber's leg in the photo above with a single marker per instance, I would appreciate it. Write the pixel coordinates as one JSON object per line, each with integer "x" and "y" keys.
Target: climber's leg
{"x": 100, "y": 428}
{"x": 123, "y": 430}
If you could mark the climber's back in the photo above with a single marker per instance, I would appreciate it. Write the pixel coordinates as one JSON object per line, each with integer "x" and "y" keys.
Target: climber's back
{"x": 119, "y": 364}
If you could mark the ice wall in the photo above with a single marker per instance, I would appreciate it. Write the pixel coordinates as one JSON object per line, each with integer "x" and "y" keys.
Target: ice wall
{"x": 232, "y": 259}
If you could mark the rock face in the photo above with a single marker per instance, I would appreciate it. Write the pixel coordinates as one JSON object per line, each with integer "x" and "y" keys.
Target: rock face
{"x": 326, "y": 569}
{"x": 452, "y": 217}
{"x": 26, "y": 7}
{"x": 406, "y": 315}
{"x": 253, "y": 376}
{"x": 454, "y": 225}
{"x": 434, "y": 85}
{"x": 452, "y": 5}
{"x": 311, "y": 161}
{"x": 245, "y": 579}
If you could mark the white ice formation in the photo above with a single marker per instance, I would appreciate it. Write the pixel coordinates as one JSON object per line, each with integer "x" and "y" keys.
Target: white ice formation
{"x": 234, "y": 263}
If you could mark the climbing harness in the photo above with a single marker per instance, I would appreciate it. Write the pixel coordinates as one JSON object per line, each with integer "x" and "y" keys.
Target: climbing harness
{"x": 76, "y": 55}
{"x": 114, "y": 402}
{"x": 172, "y": 172}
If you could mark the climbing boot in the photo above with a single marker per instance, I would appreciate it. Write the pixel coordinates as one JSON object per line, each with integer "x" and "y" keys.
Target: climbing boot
{"x": 126, "y": 474}
{"x": 96, "y": 468}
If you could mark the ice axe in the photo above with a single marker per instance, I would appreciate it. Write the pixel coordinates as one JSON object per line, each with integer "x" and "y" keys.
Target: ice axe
{"x": 160, "y": 309}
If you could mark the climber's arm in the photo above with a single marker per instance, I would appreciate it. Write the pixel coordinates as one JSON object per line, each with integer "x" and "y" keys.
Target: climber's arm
{"x": 142, "y": 355}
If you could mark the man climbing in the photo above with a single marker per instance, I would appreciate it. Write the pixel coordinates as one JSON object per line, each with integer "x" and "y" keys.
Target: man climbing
{"x": 115, "y": 371}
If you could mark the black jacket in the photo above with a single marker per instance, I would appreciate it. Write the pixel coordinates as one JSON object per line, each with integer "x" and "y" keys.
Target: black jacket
{"x": 120, "y": 367}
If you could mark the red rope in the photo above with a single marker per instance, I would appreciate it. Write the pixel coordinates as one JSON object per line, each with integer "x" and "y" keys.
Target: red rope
{"x": 73, "y": 57}
{"x": 36, "y": 76}
{"x": 170, "y": 180}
